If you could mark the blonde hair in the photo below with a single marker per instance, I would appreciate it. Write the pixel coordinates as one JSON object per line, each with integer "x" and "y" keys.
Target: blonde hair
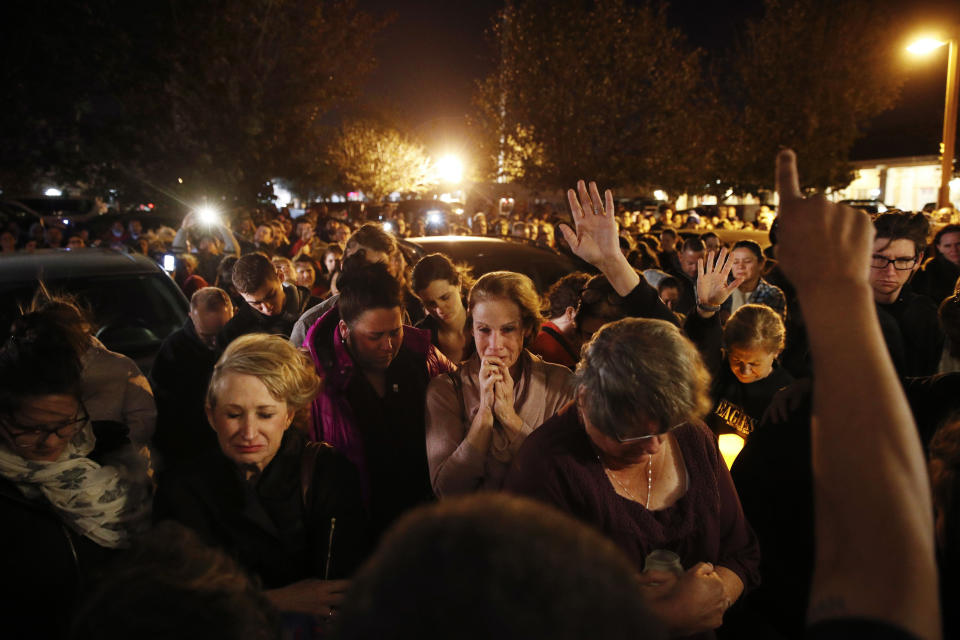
{"x": 755, "y": 325}
{"x": 285, "y": 371}
{"x": 516, "y": 288}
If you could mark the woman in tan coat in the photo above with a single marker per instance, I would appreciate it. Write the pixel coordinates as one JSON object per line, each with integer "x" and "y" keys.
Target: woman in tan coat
{"x": 477, "y": 418}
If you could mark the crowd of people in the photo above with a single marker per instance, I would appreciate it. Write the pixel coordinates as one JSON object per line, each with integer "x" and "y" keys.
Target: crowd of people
{"x": 341, "y": 444}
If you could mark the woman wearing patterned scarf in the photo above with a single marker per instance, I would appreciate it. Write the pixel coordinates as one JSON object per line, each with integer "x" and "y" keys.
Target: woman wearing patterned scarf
{"x": 67, "y": 499}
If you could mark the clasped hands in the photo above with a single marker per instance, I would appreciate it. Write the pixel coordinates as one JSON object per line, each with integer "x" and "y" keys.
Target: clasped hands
{"x": 496, "y": 393}
{"x": 688, "y": 603}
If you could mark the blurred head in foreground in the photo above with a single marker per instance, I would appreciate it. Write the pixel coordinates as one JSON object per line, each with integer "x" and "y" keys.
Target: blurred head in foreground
{"x": 502, "y": 567}
{"x": 173, "y": 586}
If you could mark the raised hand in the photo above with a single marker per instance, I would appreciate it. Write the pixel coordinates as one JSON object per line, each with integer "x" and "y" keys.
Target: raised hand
{"x": 597, "y": 237}
{"x": 189, "y": 220}
{"x": 841, "y": 236}
{"x": 712, "y": 287}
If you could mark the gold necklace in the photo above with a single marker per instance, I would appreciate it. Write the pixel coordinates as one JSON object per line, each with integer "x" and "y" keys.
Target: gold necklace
{"x": 646, "y": 504}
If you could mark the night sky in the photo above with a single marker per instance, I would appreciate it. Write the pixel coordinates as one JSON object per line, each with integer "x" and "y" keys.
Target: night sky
{"x": 444, "y": 46}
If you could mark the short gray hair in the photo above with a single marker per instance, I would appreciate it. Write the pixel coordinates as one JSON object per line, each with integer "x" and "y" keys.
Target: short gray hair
{"x": 638, "y": 369}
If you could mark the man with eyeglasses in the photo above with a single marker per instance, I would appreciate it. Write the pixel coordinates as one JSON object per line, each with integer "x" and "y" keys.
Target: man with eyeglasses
{"x": 897, "y": 250}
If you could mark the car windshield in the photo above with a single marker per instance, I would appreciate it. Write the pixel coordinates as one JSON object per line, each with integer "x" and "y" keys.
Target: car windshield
{"x": 132, "y": 313}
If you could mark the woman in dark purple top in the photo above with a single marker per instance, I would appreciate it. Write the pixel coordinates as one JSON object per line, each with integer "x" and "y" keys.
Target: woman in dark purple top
{"x": 632, "y": 458}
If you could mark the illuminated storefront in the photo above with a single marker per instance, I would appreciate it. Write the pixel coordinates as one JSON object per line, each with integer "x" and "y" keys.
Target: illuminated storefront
{"x": 905, "y": 183}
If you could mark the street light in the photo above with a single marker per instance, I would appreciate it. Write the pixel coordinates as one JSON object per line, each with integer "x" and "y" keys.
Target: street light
{"x": 450, "y": 169}
{"x": 923, "y": 46}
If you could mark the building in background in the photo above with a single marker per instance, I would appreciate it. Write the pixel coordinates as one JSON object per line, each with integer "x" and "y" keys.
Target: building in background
{"x": 906, "y": 183}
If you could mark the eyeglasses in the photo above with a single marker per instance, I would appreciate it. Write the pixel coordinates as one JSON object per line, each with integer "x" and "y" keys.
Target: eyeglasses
{"x": 900, "y": 264}
{"x": 632, "y": 439}
{"x": 29, "y": 436}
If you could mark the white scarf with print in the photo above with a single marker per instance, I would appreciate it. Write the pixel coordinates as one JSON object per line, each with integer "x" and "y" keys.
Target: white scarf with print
{"x": 108, "y": 504}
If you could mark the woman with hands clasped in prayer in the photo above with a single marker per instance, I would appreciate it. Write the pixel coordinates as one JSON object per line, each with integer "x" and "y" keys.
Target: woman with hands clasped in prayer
{"x": 478, "y": 417}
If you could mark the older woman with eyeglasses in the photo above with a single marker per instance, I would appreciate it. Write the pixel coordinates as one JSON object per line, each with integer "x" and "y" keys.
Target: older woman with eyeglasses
{"x": 69, "y": 496}
{"x": 632, "y": 457}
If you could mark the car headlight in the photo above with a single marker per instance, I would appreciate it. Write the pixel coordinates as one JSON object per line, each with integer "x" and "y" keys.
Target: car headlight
{"x": 434, "y": 217}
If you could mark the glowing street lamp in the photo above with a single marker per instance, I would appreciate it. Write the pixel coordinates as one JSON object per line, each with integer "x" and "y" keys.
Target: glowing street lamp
{"x": 450, "y": 169}
{"x": 923, "y": 46}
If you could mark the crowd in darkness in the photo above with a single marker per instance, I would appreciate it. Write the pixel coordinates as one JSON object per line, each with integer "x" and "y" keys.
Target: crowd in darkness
{"x": 341, "y": 443}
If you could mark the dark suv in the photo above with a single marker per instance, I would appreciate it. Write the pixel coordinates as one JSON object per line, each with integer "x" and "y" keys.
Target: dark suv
{"x": 134, "y": 304}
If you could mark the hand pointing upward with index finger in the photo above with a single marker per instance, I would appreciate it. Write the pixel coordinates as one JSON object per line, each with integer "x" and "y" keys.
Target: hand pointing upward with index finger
{"x": 823, "y": 245}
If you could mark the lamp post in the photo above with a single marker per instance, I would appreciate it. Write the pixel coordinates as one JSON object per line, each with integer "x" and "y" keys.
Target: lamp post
{"x": 949, "y": 112}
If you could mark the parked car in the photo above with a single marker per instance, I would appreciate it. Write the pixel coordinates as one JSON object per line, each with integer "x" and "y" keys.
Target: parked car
{"x": 60, "y": 209}
{"x": 14, "y": 212}
{"x": 873, "y": 207}
{"x": 438, "y": 217}
{"x": 134, "y": 304}
{"x": 492, "y": 254}
{"x": 730, "y": 237}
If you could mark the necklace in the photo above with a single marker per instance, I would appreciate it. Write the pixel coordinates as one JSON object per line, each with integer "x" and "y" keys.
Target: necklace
{"x": 646, "y": 504}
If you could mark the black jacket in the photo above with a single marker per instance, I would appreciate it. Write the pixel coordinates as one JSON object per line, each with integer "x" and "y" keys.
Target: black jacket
{"x": 644, "y": 302}
{"x": 179, "y": 377}
{"x": 687, "y": 302}
{"x": 263, "y": 524}
{"x": 774, "y": 480}
{"x": 249, "y": 320}
{"x": 936, "y": 279}
{"x": 45, "y": 565}
{"x": 916, "y": 317}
